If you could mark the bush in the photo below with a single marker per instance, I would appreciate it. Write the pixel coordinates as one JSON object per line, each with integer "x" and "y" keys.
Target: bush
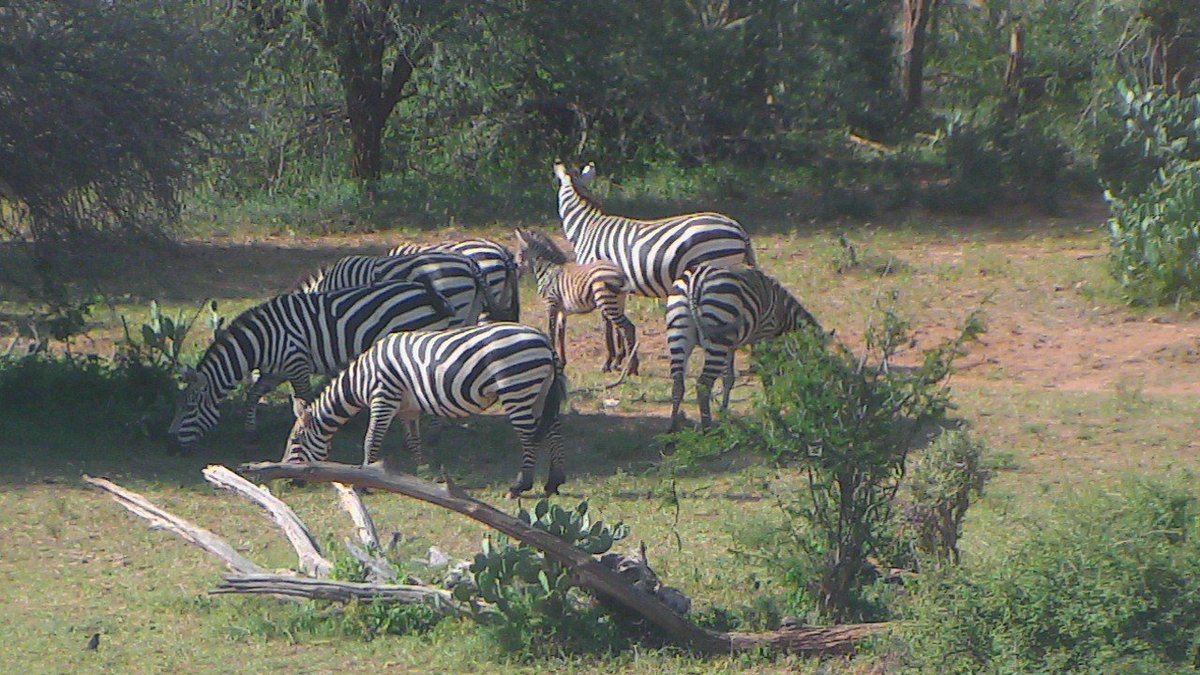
{"x": 1155, "y": 203}
{"x": 941, "y": 480}
{"x": 1104, "y": 583}
{"x": 845, "y": 422}
{"x": 86, "y": 394}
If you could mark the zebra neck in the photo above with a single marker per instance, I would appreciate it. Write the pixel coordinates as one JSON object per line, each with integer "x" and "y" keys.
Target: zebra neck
{"x": 340, "y": 401}
{"x": 229, "y": 361}
{"x": 546, "y": 273}
{"x": 576, "y": 212}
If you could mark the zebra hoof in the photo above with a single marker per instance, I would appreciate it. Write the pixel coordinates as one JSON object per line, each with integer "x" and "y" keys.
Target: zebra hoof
{"x": 556, "y": 478}
{"x": 298, "y": 483}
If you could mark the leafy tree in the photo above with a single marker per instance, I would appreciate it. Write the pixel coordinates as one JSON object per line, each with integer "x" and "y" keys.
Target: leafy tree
{"x": 105, "y": 109}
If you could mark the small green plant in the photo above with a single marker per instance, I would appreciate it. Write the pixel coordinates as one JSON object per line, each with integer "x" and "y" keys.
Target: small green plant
{"x": 163, "y": 338}
{"x": 1108, "y": 581}
{"x": 844, "y": 423}
{"x": 942, "y": 480}
{"x": 537, "y": 601}
{"x": 1153, "y": 234}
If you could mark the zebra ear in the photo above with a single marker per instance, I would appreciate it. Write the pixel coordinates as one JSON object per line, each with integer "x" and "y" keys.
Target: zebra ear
{"x": 587, "y": 175}
{"x": 560, "y": 170}
{"x": 187, "y": 374}
{"x": 520, "y": 236}
{"x": 299, "y": 407}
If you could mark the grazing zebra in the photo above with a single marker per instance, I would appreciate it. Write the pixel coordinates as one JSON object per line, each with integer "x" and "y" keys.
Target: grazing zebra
{"x": 651, "y": 254}
{"x": 454, "y": 276}
{"x": 721, "y": 310}
{"x": 292, "y": 337}
{"x": 497, "y": 264}
{"x": 451, "y": 373}
{"x": 567, "y": 288}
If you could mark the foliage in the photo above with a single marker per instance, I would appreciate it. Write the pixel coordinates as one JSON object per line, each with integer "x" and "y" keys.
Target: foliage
{"x": 846, "y": 423}
{"x": 941, "y": 481}
{"x": 1155, "y": 202}
{"x": 535, "y": 596}
{"x": 86, "y": 394}
{"x": 1106, "y": 582}
{"x": 164, "y": 338}
{"x": 98, "y": 137}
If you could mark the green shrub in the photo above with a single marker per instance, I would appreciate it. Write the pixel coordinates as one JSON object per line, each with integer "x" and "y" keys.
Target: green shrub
{"x": 941, "y": 481}
{"x": 86, "y": 394}
{"x": 1154, "y": 230}
{"x": 840, "y": 425}
{"x": 540, "y": 610}
{"x": 1107, "y": 582}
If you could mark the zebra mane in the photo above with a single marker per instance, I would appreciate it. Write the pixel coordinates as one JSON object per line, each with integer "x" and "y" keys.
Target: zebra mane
{"x": 540, "y": 245}
{"x": 585, "y": 195}
{"x": 302, "y": 284}
{"x": 222, "y": 335}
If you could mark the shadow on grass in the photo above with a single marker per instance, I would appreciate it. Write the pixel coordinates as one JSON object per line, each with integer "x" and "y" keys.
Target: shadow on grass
{"x": 478, "y": 452}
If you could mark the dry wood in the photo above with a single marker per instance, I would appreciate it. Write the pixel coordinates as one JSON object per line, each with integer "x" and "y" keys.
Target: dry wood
{"x": 379, "y": 571}
{"x": 162, "y": 520}
{"x": 586, "y": 570}
{"x": 352, "y": 503}
{"x": 339, "y": 591}
{"x": 311, "y": 560}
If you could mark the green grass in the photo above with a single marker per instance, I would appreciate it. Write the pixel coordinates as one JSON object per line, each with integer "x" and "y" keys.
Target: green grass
{"x": 74, "y": 563}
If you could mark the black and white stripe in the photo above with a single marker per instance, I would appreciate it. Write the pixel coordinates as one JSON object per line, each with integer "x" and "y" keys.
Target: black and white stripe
{"x": 294, "y": 336}
{"x": 456, "y": 277}
{"x": 652, "y": 254}
{"x": 494, "y": 260}
{"x": 721, "y": 310}
{"x": 451, "y": 373}
{"x": 569, "y": 288}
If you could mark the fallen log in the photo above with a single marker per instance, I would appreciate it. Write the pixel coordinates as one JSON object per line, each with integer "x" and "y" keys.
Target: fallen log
{"x": 340, "y": 591}
{"x": 586, "y": 570}
{"x": 162, "y": 520}
{"x": 311, "y": 560}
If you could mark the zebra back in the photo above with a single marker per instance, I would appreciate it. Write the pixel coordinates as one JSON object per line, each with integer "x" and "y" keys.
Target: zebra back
{"x": 494, "y": 260}
{"x": 651, "y": 253}
{"x": 739, "y": 307}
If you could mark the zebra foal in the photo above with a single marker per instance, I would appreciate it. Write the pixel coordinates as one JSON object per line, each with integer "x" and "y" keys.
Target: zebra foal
{"x": 451, "y": 373}
{"x": 721, "y": 310}
{"x": 454, "y": 276}
{"x": 652, "y": 254}
{"x": 568, "y": 288}
{"x": 292, "y": 337}
{"x": 494, "y": 260}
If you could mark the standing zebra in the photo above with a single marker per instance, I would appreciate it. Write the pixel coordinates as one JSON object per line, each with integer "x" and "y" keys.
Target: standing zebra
{"x": 497, "y": 264}
{"x": 456, "y": 277}
{"x": 293, "y": 337}
{"x": 651, "y": 254}
{"x": 722, "y": 310}
{"x": 452, "y": 373}
{"x": 567, "y": 288}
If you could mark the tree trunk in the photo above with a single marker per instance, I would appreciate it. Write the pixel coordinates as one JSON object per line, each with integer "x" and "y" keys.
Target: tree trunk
{"x": 912, "y": 55}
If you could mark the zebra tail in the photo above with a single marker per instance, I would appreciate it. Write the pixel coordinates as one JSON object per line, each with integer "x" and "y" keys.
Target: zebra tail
{"x": 438, "y": 301}
{"x": 708, "y": 335}
{"x": 483, "y": 292}
{"x": 511, "y": 280}
{"x": 751, "y": 259}
{"x": 552, "y": 401}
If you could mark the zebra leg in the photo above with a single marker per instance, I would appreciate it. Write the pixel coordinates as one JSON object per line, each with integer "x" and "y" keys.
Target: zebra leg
{"x": 528, "y": 462}
{"x": 383, "y": 410}
{"x": 728, "y": 382}
{"x": 562, "y": 337}
{"x": 613, "y": 354}
{"x": 714, "y": 366}
{"x": 553, "y": 442}
{"x": 412, "y": 438}
{"x": 265, "y": 384}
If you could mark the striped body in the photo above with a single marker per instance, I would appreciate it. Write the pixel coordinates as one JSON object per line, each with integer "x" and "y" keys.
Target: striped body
{"x": 651, "y": 254}
{"x": 721, "y": 310}
{"x": 495, "y": 261}
{"x": 294, "y": 336}
{"x": 454, "y": 276}
{"x": 568, "y": 288}
{"x": 451, "y": 373}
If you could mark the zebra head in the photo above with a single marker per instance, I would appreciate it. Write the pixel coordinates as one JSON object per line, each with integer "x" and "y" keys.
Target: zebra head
{"x": 305, "y": 442}
{"x": 534, "y": 246}
{"x": 195, "y": 412}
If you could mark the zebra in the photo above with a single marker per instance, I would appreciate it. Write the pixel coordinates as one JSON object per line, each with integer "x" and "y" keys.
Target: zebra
{"x": 456, "y": 277}
{"x": 567, "y": 288}
{"x": 498, "y": 266}
{"x": 721, "y": 310}
{"x": 450, "y": 373}
{"x": 292, "y": 337}
{"x": 652, "y": 254}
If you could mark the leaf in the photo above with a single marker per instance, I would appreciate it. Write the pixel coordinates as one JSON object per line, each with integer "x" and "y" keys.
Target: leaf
{"x": 544, "y": 581}
{"x": 541, "y": 508}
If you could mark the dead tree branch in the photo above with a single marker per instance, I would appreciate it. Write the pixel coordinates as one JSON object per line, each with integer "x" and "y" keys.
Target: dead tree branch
{"x": 340, "y": 591}
{"x": 162, "y": 520}
{"x": 586, "y": 570}
{"x": 311, "y": 560}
